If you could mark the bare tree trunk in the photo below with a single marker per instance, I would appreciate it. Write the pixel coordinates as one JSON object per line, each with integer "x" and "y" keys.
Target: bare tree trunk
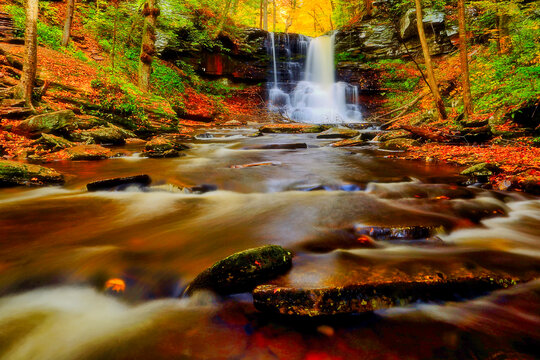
{"x": 28, "y": 78}
{"x": 224, "y": 16}
{"x": 261, "y": 14}
{"x": 427, "y": 59}
{"x": 467, "y": 102}
{"x": 368, "y": 8}
{"x": 69, "y": 20}
{"x": 265, "y": 15}
{"x": 148, "y": 46}
{"x": 275, "y": 14}
{"x": 503, "y": 40}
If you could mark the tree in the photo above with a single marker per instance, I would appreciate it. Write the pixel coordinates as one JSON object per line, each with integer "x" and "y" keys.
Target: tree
{"x": 28, "y": 78}
{"x": 148, "y": 44}
{"x": 427, "y": 59}
{"x": 265, "y": 15}
{"x": 224, "y": 16}
{"x": 69, "y": 20}
{"x": 467, "y": 102}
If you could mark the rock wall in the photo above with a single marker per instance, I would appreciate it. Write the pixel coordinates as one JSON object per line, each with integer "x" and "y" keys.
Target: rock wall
{"x": 246, "y": 58}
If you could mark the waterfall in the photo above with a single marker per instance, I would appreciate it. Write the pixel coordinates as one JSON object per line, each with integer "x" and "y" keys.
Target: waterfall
{"x": 315, "y": 97}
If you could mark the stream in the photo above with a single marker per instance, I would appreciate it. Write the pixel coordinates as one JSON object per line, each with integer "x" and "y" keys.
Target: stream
{"x": 59, "y": 246}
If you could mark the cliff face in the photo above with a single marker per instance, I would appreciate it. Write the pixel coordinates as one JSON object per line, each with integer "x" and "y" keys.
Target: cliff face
{"x": 247, "y": 58}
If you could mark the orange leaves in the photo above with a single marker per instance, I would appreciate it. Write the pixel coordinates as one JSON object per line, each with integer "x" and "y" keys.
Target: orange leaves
{"x": 115, "y": 285}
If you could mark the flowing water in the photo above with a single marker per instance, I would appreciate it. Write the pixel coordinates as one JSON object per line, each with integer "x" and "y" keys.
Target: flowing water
{"x": 313, "y": 95}
{"x": 61, "y": 245}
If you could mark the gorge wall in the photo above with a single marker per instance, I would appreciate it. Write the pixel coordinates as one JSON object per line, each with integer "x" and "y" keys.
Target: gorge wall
{"x": 245, "y": 58}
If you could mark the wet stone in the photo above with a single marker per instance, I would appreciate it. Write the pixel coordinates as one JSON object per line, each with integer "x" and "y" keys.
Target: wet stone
{"x": 338, "y": 133}
{"x": 242, "y": 271}
{"x": 14, "y": 173}
{"x": 120, "y": 183}
{"x": 400, "y": 233}
{"x": 370, "y": 297}
{"x": 161, "y": 147}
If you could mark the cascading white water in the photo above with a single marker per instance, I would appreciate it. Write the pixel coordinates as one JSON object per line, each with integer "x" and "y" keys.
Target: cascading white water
{"x": 318, "y": 98}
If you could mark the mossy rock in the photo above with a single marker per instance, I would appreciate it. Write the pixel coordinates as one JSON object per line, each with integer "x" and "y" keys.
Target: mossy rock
{"x": 160, "y": 147}
{"x": 83, "y": 152}
{"x": 53, "y": 142}
{"x": 15, "y": 173}
{"x": 292, "y": 129}
{"x": 482, "y": 169}
{"x": 399, "y": 144}
{"x": 338, "y": 133}
{"x": 242, "y": 271}
{"x": 46, "y": 123}
{"x": 110, "y": 134}
{"x": 394, "y": 134}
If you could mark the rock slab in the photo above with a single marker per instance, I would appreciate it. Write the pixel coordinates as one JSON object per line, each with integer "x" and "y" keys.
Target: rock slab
{"x": 14, "y": 173}
{"x": 242, "y": 271}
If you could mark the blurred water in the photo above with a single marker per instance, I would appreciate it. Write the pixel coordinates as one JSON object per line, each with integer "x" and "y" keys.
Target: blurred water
{"x": 60, "y": 245}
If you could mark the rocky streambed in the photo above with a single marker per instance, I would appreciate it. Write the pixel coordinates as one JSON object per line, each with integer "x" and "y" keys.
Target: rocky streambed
{"x": 287, "y": 241}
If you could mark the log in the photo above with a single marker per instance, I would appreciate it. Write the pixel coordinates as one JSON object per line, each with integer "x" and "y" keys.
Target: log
{"x": 426, "y": 133}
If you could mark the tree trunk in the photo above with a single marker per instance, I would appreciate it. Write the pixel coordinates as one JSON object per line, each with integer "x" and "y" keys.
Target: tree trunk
{"x": 148, "y": 45}
{"x": 369, "y": 8}
{"x": 265, "y": 15}
{"x": 261, "y": 14}
{"x": 427, "y": 59}
{"x": 503, "y": 39}
{"x": 275, "y": 14}
{"x": 69, "y": 20}
{"x": 28, "y": 78}
{"x": 224, "y": 16}
{"x": 467, "y": 102}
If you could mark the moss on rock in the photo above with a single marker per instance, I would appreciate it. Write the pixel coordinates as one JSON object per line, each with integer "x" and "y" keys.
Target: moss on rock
{"x": 15, "y": 173}
{"x": 243, "y": 271}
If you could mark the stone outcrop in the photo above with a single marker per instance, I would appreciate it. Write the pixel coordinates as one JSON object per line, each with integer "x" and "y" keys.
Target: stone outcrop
{"x": 14, "y": 173}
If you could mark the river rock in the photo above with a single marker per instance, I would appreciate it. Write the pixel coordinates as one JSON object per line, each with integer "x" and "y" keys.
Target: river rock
{"x": 46, "y": 123}
{"x": 110, "y": 134}
{"x": 292, "y": 129}
{"x": 338, "y": 133}
{"x": 52, "y": 142}
{"x": 119, "y": 183}
{"x": 369, "y": 297}
{"x": 399, "y": 144}
{"x": 243, "y": 271}
{"x": 349, "y": 142}
{"x": 399, "y": 233}
{"x": 16, "y": 173}
{"x": 161, "y": 147}
{"x": 82, "y": 152}
{"x": 393, "y": 134}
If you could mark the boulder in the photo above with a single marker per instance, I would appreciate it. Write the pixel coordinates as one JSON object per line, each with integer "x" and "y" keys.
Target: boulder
{"x": 338, "y": 133}
{"x": 16, "y": 173}
{"x": 119, "y": 183}
{"x": 370, "y": 297}
{"x": 161, "y": 147}
{"x": 52, "y": 142}
{"x": 292, "y": 129}
{"x": 109, "y": 134}
{"x": 393, "y": 134}
{"x": 349, "y": 142}
{"x": 432, "y": 20}
{"x": 398, "y": 144}
{"x": 243, "y": 271}
{"x": 82, "y": 152}
{"x": 46, "y": 123}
